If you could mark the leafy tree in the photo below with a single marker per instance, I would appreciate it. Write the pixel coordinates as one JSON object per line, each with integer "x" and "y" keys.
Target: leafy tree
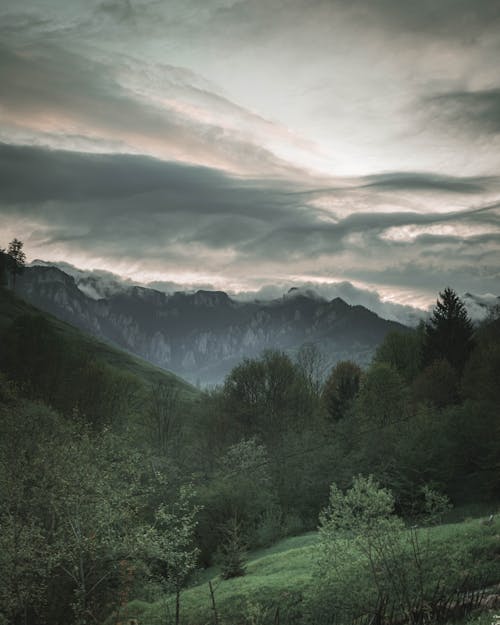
{"x": 368, "y": 558}
{"x": 449, "y": 332}
{"x": 382, "y": 396}
{"x": 437, "y": 384}
{"x": 341, "y": 388}
{"x": 242, "y": 487}
{"x": 170, "y": 543}
{"x": 265, "y": 394}
{"x": 403, "y": 351}
{"x": 17, "y": 259}
{"x": 482, "y": 371}
{"x": 96, "y": 497}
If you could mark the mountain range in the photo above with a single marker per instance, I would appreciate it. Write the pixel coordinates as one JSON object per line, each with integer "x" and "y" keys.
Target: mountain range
{"x": 202, "y": 335}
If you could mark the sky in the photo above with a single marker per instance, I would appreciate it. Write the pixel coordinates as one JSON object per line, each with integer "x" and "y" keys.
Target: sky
{"x": 254, "y": 145}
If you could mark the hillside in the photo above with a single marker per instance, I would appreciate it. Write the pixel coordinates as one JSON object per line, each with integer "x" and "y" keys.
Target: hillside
{"x": 12, "y": 307}
{"x": 283, "y": 577}
{"x": 203, "y": 335}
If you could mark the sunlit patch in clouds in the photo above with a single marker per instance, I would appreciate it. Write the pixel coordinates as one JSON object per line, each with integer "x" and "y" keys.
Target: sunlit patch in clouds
{"x": 458, "y": 231}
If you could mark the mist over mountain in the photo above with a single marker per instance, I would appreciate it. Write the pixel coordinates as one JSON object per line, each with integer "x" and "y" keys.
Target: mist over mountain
{"x": 99, "y": 284}
{"x": 201, "y": 335}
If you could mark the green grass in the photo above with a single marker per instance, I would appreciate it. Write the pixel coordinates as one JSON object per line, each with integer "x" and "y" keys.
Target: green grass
{"x": 282, "y": 574}
{"x": 12, "y": 306}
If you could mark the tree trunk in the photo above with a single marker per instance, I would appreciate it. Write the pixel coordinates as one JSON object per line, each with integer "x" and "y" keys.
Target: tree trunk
{"x": 177, "y": 605}
{"x": 214, "y": 607}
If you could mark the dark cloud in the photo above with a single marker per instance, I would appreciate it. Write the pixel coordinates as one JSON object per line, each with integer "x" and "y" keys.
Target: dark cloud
{"x": 468, "y": 111}
{"x": 415, "y": 181}
{"x": 168, "y": 215}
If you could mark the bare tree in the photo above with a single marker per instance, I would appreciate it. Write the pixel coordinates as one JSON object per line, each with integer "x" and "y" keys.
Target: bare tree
{"x": 163, "y": 414}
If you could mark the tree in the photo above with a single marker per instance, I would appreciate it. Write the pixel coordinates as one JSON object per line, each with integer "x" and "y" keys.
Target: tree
{"x": 170, "y": 542}
{"x": 437, "y": 384}
{"x": 368, "y": 560}
{"x": 449, "y": 332}
{"x": 163, "y": 415}
{"x": 382, "y": 396}
{"x": 403, "y": 351}
{"x": 265, "y": 394}
{"x": 312, "y": 364}
{"x": 3, "y": 267}
{"x": 17, "y": 259}
{"x": 95, "y": 486}
{"x": 232, "y": 556}
{"x": 341, "y": 388}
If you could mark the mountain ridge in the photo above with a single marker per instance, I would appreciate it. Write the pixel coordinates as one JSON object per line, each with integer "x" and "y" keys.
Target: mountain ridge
{"x": 202, "y": 335}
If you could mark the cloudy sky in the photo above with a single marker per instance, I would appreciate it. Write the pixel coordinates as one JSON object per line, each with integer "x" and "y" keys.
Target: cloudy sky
{"x": 247, "y": 143}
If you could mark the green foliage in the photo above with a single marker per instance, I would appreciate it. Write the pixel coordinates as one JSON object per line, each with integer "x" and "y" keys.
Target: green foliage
{"x": 482, "y": 371}
{"x": 449, "y": 332}
{"x": 340, "y": 389}
{"x": 232, "y": 551}
{"x": 242, "y": 488}
{"x": 367, "y": 558}
{"x": 4, "y": 260}
{"x": 437, "y": 384}
{"x": 382, "y": 396}
{"x": 75, "y": 507}
{"x": 403, "y": 351}
{"x": 282, "y": 576}
{"x": 266, "y": 395}
{"x": 16, "y": 260}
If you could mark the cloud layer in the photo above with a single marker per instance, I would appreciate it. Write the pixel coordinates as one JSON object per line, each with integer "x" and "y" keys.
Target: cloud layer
{"x": 153, "y": 220}
{"x": 249, "y": 143}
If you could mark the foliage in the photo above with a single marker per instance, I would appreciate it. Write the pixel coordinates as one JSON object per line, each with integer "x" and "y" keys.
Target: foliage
{"x": 241, "y": 488}
{"x": 382, "y": 396}
{"x": 367, "y": 558}
{"x": 170, "y": 545}
{"x": 403, "y": 351}
{"x": 74, "y": 510}
{"x": 266, "y": 395}
{"x": 449, "y": 332}
{"x": 282, "y": 576}
{"x": 16, "y": 260}
{"x": 232, "y": 553}
{"x": 340, "y": 389}
{"x": 437, "y": 384}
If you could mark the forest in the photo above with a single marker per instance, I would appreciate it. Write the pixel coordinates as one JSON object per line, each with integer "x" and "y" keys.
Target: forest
{"x": 123, "y": 489}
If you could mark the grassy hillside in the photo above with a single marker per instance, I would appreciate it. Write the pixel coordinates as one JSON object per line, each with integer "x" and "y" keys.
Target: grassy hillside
{"x": 283, "y": 576}
{"x": 12, "y": 307}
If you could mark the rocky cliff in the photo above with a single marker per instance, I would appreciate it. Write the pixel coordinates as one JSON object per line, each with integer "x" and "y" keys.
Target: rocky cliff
{"x": 202, "y": 335}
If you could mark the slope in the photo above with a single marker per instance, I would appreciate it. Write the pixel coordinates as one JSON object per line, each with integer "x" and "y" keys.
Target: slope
{"x": 13, "y": 307}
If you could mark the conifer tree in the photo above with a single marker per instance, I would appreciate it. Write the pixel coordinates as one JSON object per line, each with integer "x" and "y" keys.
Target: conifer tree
{"x": 449, "y": 332}
{"x": 17, "y": 259}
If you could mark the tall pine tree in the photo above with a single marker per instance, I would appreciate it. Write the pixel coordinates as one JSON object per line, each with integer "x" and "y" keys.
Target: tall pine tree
{"x": 449, "y": 332}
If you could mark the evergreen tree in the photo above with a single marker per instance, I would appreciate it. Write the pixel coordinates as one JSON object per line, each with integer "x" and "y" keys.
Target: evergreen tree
{"x": 232, "y": 554}
{"x": 17, "y": 259}
{"x": 3, "y": 267}
{"x": 449, "y": 332}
